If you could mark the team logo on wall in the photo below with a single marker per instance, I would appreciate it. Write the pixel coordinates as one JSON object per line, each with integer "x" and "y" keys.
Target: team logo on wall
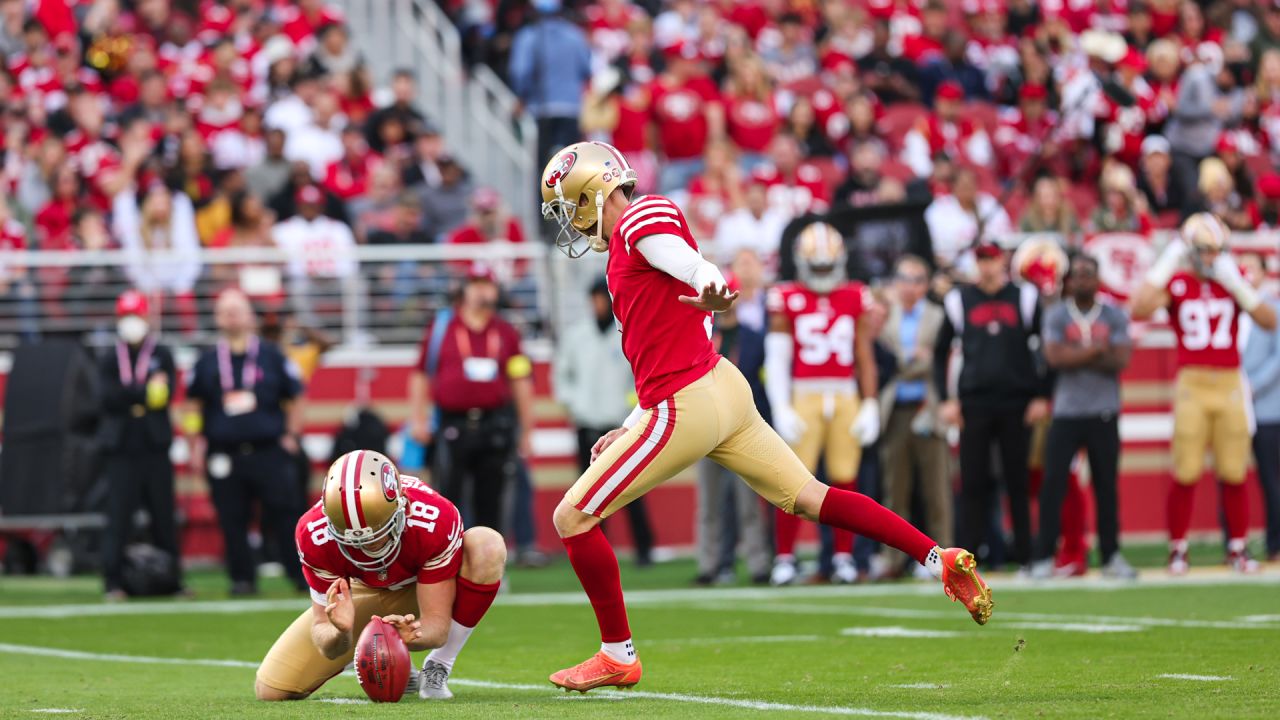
{"x": 1123, "y": 260}
{"x": 390, "y": 483}
{"x": 562, "y": 167}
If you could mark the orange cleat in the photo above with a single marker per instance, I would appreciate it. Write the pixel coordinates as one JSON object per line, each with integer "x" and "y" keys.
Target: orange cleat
{"x": 961, "y": 581}
{"x": 599, "y": 670}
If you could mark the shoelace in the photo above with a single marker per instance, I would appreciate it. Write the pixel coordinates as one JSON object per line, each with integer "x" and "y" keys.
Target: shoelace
{"x": 434, "y": 676}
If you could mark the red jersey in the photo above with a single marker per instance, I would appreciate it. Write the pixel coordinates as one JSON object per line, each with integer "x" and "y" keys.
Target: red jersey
{"x": 681, "y": 114}
{"x": 705, "y": 206}
{"x": 1206, "y": 321}
{"x": 1127, "y": 126}
{"x": 349, "y": 179}
{"x": 1018, "y": 137}
{"x": 823, "y": 327}
{"x": 474, "y": 369}
{"x": 805, "y": 192}
{"x": 631, "y": 134}
{"x": 750, "y": 123}
{"x": 667, "y": 342}
{"x": 430, "y": 546}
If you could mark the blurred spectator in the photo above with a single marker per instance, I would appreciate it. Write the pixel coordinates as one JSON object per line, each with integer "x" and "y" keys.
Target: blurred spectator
{"x": 38, "y": 177}
{"x": 317, "y": 246}
{"x": 1087, "y": 343}
{"x": 952, "y": 66}
{"x": 135, "y": 433}
{"x": 549, "y": 69}
{"x": 891, "y": 77}
{"x": 792, "y": 57}
{"x": 687, "y": 113}
{"x": 593, "y": 381}
{"x": 1218, "y": 195}
{"x": 1161, "y": 189}
{"x": 923, "y": 43}
{"x": 316, "y": 141}
{"x": 293, "y": 110}
{"x": 1122, "y": 208}
{"x": 334, "y": 54}
{"x": 913, "y": 448}
{"x": 961, "y": 220}
{"x": 714, "y": 193}
{"x": 471, "y": 393}
{"x": 802, "y": 124}
{"x": 1268, "y": 35}
{"x": 795, "y": 185}
{"x": 402, "y": 110}
{"x": 446, "y": 207}
{"x": 1027, "y": 136}
{"x": 17, "y": 291}
{"x": 348, "y": 176}
{"x": 862, "y": 187}
{"x": 375, "y": 210}
{"x": 423, "y": 167}
{"x": 999, "y": 394}
{"x": 156, "y": 229}
{"x": 1231, "y": 155}
{"x": 751, "y": 111}
{"x": 946, "y": 130}
{"x": 268, "y": 176}
{"x": 1261, "y": 362}
{"x": 404, "y": 226}
{"x": 1269, "y": 201}
{"x": 1200, "y": 112}
{"x": 12, "y": 18}
{"x": 285, "y": 202}
{"x": 240, "y": 147}
{"x": 756, "y": 226}
{"x": 1049, "y": 211}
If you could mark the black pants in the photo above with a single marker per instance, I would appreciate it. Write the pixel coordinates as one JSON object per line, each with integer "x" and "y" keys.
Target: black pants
{"x": 637, "y": 513}
{"x": 142, "y": 479}
{"x": 553, "y": 134}
{"x": 985, "y": 426}
{"x": 1266, "y": 454}
{"x": 1100, "y": 438}
{"x": 473, "y": 457}
{"x": 266, "y": 475}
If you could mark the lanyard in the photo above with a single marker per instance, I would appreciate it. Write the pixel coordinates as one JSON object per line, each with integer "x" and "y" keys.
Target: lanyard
{"x": 1084, "y": 321}
{"x": 463, "y": 337}
{"x": 127, "y": 372}
{"x": 249, "y": 375}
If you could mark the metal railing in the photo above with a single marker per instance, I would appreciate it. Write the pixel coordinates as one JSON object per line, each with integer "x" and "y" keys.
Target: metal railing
{"x": 475, "y": 110}
{"x": 388, "y": 296}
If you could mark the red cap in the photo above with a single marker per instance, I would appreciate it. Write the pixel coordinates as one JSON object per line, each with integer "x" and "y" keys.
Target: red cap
{"x": 1269, "y": 186}
{"x": 485, "y": 198}
{"x": 1134, "y": 60}
{"x": 1033, "y": 91}
{"x": 309, "y": 195}
{"x": 479, "y": 271}
{"x": 880, "y": 9}
{"x": 949, "y": 90}
{"x": 988, "y": 249}
{"x": 681, "y": 49}
{"x": 1227, "y": 143}
{"x": 132, "y": 302}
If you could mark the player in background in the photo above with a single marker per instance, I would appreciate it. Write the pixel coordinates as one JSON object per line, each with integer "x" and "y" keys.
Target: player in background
{"x": 378, "y": 543}
{"x": 692, "y": 402}
{"x": 1211, "y": 405}
{"x": 817, "y": 339}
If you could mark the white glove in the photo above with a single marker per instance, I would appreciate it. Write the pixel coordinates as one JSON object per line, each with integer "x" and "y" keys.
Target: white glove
{"x": 1167, "y": 264}
{"x": 787, "y": 423}
{"x": 1227, "y": 273}
{"x": 866, "y": 427}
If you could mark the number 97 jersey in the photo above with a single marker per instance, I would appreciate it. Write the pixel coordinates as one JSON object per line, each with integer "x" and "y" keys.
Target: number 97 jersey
{"x": 823, "y": 327}
{"x": 1206, "y": 321}
{"x": 430, "y": 546}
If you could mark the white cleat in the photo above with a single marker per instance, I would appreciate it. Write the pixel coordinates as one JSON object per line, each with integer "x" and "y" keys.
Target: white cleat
{"x": 843, "y": 571}
{"x": 433, "y": 682}
{"x": 784, "y": 573}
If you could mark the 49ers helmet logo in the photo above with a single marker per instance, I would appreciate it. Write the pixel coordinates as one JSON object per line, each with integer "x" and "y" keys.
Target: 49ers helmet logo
{"x": 562, "y": 167}
{"x": 390, "y": 483}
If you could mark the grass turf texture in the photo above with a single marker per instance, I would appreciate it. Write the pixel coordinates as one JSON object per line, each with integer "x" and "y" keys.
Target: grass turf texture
{"x": 1062, "y": 652}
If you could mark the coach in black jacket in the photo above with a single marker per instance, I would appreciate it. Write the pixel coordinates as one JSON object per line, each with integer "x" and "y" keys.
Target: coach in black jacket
{"x": 1002, "y": 390}
{"x": 135, "y": 435}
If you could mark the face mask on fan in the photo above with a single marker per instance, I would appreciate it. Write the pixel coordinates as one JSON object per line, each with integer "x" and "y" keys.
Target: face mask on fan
{"x": 132, "y": 329}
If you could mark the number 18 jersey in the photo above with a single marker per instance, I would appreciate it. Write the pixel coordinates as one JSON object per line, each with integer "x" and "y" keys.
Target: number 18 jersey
{"x": 1205, "y": 320}
{"x": 430, "y": 546}
{"x": 822, "y": 327}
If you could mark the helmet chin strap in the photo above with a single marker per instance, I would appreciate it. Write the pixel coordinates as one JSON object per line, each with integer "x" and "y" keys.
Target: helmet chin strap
{"x": 598, "y": 243}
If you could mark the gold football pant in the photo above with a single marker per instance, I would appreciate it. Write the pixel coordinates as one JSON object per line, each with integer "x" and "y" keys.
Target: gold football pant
{"x": 827, "y": 418}
{"x": 1211, "y": 412}
{"x": 714, "y": 417}
{"x": 294, "y": 664}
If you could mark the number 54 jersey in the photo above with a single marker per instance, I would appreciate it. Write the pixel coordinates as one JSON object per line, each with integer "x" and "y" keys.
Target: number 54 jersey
{"x": 1206, "y": 321}
{"x": 822, "y": 327}
{"x": 430, "y": 546}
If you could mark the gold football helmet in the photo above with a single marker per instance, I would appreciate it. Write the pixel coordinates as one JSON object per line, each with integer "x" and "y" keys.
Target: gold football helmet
{"x": 365, "y": 507}
{"x": 820, "y": 257}
{"x": 1205, "y": 235}
{"x": 574, "y": 187}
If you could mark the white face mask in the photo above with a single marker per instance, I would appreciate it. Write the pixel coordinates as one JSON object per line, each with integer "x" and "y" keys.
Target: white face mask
{"x": 132, "y": 329}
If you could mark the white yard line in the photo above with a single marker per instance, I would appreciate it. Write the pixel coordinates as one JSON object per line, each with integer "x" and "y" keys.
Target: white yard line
{"x": 57, "y": 711}
{"x": 897, "y": 632}
{"x": 920, "y": 686}
{"x": 542, "y": 689}
{"x": 1198, "y": 678}
{"x": 344, "y": 701}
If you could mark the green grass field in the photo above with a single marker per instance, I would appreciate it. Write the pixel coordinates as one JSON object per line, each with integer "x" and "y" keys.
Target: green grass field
{"x": 1204, "y": 647}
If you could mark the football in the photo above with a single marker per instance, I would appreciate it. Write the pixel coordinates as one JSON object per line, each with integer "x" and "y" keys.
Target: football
{"x": 382, "y": 662}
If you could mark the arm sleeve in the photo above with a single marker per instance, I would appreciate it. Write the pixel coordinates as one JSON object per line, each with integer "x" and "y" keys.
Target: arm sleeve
{"x": 518, "y": 67}
{"x": 673, "y": 256}
{"x": 778, "y": 351}
{"x": 633, "y": 417}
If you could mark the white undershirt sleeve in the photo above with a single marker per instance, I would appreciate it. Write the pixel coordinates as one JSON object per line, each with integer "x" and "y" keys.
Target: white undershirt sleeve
{"x": 636, "y": 413}
{"x": 673, "y": 256}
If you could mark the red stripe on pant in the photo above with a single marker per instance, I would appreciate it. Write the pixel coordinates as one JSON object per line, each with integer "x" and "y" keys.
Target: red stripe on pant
{"x": 635, "y": 471}
{"x": 617, "y": 464}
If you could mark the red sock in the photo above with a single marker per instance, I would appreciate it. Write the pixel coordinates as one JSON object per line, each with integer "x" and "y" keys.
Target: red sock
{"x": 472, "y": 601}
{"x": 1180, "y": 499}
{"x": 1235, "y": 506}
{"x": 1074, "y": 548}
{"x": 597, "y": 567}
{"x": 785, "y": 528}
{"x": 860, "y": 514}
{"x": 844, "y": 538}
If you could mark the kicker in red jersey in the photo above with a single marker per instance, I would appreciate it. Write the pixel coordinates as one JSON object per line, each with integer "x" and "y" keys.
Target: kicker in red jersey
{"x": 667, "y": 342}
{"x": 1206, "y": 321}
{"x": 823, "y": 327}
{"x": 430, "y": 552}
